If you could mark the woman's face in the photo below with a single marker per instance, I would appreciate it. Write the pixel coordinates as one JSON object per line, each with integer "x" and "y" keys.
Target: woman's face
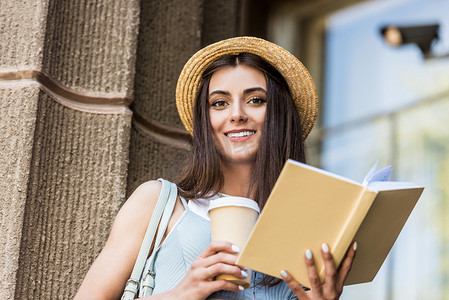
{"x": 237, "y": 105}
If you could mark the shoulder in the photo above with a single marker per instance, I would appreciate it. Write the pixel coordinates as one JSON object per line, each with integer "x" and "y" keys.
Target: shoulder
{"x": 122, "y": 246}
{"x": 141, "y": 203}
{"x": 147, "y": 192}
{"x": 149, "y": 189}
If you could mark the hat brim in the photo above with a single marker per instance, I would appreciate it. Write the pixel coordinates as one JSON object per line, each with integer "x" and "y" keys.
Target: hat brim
{"x": 298, "y": 78}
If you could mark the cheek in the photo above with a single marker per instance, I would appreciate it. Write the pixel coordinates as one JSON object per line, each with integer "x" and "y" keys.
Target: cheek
{"x": 216, "y": 121}
{"x": 213, "y": 123}
{"x": 261, "y": 117}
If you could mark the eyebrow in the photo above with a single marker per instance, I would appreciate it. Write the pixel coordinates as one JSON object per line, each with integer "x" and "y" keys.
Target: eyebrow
{"x": 247, "y": 91}
{"x": 219, "y": 92}
{"x": 254, "y": 89}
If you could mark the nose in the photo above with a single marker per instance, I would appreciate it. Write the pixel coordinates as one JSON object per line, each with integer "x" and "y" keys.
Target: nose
{"x": 238, "y": 114}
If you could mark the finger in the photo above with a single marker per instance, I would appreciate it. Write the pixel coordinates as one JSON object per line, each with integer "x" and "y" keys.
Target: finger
{"x": 222, "y": 284}
{"x": 223, "y": 257}
{"x": 294, "y": 285}
{"x": 220, "y": 268}
{"x": 315, "y": 283}
{"x": 346, "y": 265}
{"x": 330, "y": 271}
{"x": 217, "y": 246}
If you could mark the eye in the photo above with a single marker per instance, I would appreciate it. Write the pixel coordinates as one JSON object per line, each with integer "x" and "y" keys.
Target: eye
{"x": 257, "y": 100}
{"x": 219, "y": 103}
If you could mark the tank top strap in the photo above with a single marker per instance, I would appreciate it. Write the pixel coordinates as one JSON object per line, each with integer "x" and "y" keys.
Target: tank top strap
{"x": 184, "y": 202}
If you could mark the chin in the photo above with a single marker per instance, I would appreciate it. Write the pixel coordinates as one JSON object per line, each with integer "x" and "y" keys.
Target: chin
{"x": 239, "y": 152}
{"x": 243, "y": 159}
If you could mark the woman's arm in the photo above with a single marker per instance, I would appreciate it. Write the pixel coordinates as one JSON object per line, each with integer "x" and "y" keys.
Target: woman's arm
{"x": 108, "y": 274}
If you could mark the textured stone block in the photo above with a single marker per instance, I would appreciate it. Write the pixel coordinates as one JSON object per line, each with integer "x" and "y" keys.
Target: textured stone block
{"x": 90, "y": 45}
{"x": 76, "y": 186}
{"x": 152, "y": 159}
{"x": 169, "y": 33}
{"x": 18, "y": 105}
{"x": 221, "y": 20}
{"x": 22, "y": 32}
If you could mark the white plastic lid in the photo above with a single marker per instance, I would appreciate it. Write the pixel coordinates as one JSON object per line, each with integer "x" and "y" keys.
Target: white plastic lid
{"x": 233, "y": 201}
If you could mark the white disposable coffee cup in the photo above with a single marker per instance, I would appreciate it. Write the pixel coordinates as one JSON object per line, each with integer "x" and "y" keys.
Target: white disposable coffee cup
{"x": 232, "y": 219}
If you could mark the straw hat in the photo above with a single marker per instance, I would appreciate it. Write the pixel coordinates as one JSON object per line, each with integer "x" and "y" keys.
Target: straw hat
{"x": 298, "y": 78}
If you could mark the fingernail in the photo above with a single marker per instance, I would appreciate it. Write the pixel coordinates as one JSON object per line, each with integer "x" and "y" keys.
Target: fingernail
{"x": 325, "y": 248}
{"x": 354, "y": 246}
{"x": 283, "y": 274}
{"x": 241, "y": 288}
{"x": 308, "y": 254}
{"x": 244, "y": 274}
{"x": 235, "y": 248}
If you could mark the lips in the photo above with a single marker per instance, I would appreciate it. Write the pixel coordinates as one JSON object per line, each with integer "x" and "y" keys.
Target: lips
{"x": 240, "y": 135}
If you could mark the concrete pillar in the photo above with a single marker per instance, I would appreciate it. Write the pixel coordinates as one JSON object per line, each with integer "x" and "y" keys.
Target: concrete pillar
{"x": 221, "y": 20}
{"x": 21, "y": 46}
{"x": 66, "y": 78}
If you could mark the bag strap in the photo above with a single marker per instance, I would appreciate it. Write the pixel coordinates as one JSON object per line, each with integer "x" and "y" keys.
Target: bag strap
{"x": 168, "y": 211}
{"x": 148, "y": 277}
{"x": 132, "y": 284}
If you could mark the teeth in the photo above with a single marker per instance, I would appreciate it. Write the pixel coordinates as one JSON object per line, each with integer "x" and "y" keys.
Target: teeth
{"x": 240, "y": 134}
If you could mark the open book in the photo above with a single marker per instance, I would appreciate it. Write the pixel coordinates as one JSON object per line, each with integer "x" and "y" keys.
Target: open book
{"x": 309, "y": 206}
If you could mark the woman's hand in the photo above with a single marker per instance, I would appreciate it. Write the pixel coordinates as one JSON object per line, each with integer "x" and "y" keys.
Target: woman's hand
{"x": 334, "y": 279}
{"x": 199, "y": 283}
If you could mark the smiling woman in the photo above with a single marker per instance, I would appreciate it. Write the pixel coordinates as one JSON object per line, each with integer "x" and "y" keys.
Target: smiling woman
{"x": 249, "y": 105}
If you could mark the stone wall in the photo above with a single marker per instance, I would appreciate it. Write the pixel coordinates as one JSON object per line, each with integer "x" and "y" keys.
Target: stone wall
{"x": 66, "y": 79}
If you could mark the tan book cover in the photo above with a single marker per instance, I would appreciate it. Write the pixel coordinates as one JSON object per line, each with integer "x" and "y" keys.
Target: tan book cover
{"x": 309, "y": 206}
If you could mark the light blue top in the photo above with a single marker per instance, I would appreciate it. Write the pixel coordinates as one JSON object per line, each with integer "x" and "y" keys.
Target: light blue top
{"x": 189, "y": 237}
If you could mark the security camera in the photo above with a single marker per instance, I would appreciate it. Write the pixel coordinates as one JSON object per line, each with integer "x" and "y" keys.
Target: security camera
{"x": 423, "y": 36}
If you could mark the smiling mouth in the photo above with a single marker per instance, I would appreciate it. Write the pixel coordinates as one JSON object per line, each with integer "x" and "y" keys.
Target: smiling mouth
{"x": 240, "y": 134}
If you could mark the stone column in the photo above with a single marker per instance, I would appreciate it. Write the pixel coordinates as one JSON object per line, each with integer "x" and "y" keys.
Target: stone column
{"x": 66, "y": 80}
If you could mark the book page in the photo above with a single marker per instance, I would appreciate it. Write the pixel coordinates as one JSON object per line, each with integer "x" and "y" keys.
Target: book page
{"x": 391, "y": 185}
{"x": 381, "y": 175}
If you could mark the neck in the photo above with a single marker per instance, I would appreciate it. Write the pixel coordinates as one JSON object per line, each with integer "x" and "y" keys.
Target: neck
{"x": 237, "y": 177}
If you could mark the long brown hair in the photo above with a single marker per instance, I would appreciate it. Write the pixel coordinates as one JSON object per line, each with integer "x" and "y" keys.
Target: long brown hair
{"x": 281, "y": 137}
